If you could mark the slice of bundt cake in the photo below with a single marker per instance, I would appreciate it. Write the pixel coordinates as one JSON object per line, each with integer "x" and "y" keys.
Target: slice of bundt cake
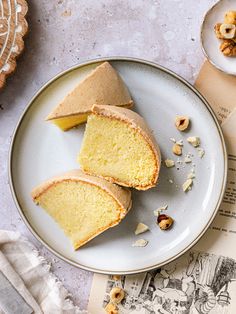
{"x": 119, "y": 146}
{"x": 83, "y": 206}
{"x": 103, "y": 86}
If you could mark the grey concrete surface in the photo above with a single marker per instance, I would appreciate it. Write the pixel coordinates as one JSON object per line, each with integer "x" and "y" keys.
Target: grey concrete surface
{"x": 66, "y": 32}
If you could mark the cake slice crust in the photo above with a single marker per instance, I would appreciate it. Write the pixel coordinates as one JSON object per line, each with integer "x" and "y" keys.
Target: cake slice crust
{"x": 83, "y": 206}
{"x": 103, "y": 86}
{"x": 119, "y": 146}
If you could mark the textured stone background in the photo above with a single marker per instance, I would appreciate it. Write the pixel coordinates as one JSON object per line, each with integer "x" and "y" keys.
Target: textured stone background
{"x": 65, "y": 32}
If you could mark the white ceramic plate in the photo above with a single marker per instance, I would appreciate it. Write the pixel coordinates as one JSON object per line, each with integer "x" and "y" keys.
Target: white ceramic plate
{"x": 210, "y": 43}
{"x": 40, "y": 150}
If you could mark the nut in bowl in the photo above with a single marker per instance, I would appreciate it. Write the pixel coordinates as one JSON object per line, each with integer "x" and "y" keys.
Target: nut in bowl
{"x": 227, "y": 33}
{"x": 218, "y": 36}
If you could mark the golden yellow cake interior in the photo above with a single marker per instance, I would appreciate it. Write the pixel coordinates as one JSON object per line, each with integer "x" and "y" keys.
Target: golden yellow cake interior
{"x": 103, "y": 86}
{"x": 118, "y": 146}
{"x": 82, "y": 205}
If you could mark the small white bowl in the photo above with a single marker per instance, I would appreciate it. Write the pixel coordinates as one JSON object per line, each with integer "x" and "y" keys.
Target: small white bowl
{"x": 211, "y": 44}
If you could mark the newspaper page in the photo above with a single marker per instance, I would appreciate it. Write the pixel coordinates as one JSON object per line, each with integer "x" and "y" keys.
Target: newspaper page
{"x": 202, "y": 281}
{"x": 218, "y": 88}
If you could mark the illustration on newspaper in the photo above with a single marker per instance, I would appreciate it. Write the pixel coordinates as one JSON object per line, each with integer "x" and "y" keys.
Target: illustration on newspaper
{"x": 196, "y": 283}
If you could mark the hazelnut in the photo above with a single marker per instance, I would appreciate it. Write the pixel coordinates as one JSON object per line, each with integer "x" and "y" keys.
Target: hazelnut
{"x": 181, "y": 122}
{"x": 228, "y": 31}
{"x": 177, "y": 149}
{"x": 230, "y": 17}
{"x": 117, "y": 295}
{"x": 164, "y": 221}
{"x": 217, "y": 31}
{"x": 111, "y": 308}
{"x": 191, "y": 175}
{"x": 228, "y": 47}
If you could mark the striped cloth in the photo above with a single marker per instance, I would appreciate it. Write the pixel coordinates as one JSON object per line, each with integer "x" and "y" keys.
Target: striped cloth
{"x": 29, "y": 273}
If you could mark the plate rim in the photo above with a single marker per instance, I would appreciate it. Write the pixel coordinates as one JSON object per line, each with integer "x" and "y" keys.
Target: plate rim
{"x": 202, "y": 41}
{"x": 28, "y": 106}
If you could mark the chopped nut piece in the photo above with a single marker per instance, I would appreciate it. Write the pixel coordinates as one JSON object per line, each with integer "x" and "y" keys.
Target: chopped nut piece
{"x": 159, "y": 210}
{"x": 169, "y": 163}
{"x": 187, "y": 159}
{"x": 111, "y": 309}
{"x": 191, "y": 175}
{"x": 164, "y": 221}
{"x": 181, "y": 122}
{"x": 177, "y": 149}
{"x": 194, "y": 140}
{"x": 230, "y": 17}
{"x": 117, "y": 294}
{"x": 180, "y": 143}
{"x": 201, "y": 152}
{"x": 187, "y": 184}
{"x": 171, "y": 181}
{"x": 217, "y": 31}
{"x": 116, "y": 277}
{"x": 172, "y": 139}
{"x": 141, "y": 228}
{"x": 140, "y": 243}
{"x": 228, "y": 30}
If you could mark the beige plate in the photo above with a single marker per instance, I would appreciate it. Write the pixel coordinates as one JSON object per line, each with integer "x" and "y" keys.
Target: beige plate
{"x": 40, "y": 150}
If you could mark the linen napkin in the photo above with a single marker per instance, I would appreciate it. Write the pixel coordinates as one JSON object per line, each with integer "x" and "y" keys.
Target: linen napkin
{"x": 23, "y": 268}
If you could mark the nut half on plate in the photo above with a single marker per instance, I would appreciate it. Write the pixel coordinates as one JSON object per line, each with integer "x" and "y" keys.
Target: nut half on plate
{"x": 164, "y": 221}
{"x": 111, "y": 308}
{"x": 182, "y": 122}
